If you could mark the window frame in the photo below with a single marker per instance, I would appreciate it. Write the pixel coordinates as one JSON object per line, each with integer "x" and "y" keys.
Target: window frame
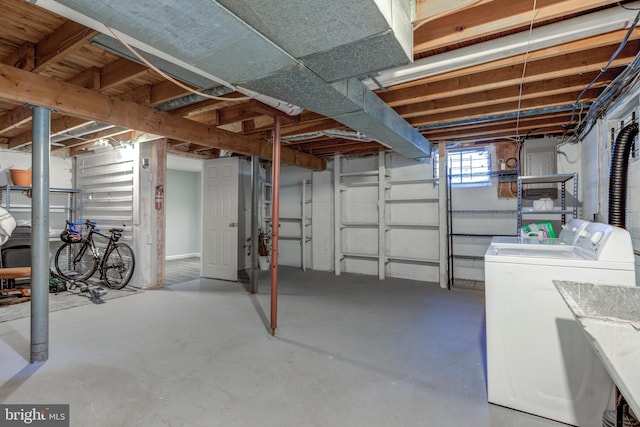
{"x": 461, "y": 179}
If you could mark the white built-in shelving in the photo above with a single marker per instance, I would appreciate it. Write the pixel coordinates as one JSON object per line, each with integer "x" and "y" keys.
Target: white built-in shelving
{"x": 302, "y": 218}
{"x": 344, "y": 184}
{"x": 394, "y": 196}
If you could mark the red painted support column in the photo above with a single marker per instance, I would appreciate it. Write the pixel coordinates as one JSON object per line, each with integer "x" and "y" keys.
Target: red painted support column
{"x": 275, "y": 224}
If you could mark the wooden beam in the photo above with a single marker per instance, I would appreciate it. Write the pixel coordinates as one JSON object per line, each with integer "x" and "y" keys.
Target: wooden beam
{"x": 23, "y": 57}
{"x": 121, "y": 71}
{"x": 525, "y": 124}
{"x": 89, "y": 78}
{"x": 21, "y": 86}
{"x": 562, "y": 66}
{"x": 15, "y": 118}
{"x": 506, "y": 135}
{"x": 316, "y": 143}
{"x": 508, "y": 107}
{"x": 428, "y": 10}
{"x": 64, "y": 41}
{"x": 267, "y": 110}
{"x": 191, "y": 154}
{"x": 483, "y": 20}
{"x": 537, "y": 89}
{"x": 89, "y": 139}
{"x": 58, "y": 126}
{"x": 236, "y": 113}
{"x": 480, "y": 125}
{"x": 350, "y": 147}
{"x": 305, "y": 127}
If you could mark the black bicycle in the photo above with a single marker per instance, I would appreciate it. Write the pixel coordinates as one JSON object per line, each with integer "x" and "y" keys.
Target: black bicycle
{"x": 79, "y": 257}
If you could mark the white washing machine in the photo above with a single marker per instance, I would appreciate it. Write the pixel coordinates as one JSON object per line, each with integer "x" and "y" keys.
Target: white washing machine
{"x": 538, "y": 359}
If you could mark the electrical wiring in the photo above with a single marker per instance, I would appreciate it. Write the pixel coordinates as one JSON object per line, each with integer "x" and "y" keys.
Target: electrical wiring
{"x": 571, "y": 162}
{"x": 171, "y": 79}
{"x": 629, "y": 77}
{"x": 606, "y": 67}
{"x": 524, "y": 68}
{"x": 626, "y": 7}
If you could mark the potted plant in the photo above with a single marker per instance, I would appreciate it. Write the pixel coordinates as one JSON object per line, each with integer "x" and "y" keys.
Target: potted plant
{"x": 263, "y": 250}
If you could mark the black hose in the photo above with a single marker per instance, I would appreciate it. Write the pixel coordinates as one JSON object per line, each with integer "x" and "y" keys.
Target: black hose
{"x": 618, "y": 175}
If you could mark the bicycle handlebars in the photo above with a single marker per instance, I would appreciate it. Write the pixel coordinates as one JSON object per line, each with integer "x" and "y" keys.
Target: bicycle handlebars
{"x": 86, "y": 222}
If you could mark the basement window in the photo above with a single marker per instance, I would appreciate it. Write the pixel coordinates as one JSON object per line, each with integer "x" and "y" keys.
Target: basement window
{"x": 468, "y": 167}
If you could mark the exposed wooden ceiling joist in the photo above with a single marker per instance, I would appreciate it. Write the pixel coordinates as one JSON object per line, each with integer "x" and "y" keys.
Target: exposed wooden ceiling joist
{"x": 21, "y": 85}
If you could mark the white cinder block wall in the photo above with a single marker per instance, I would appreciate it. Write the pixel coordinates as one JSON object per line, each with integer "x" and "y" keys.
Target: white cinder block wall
{"x": 476, "y": 211}
{"x": 596, "y": 152}
{"x": 60, "y": 169}
{"x": 60, "y": 176}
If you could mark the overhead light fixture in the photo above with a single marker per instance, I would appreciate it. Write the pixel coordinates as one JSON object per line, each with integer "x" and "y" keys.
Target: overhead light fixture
{"x": 550, "y": 35}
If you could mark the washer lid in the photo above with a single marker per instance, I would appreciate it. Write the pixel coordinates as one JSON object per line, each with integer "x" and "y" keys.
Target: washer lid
{"x": 563, "y": 256}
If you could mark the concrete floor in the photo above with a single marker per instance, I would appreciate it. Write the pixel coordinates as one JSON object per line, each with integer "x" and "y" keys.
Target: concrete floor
{"x": 350, "y": 351}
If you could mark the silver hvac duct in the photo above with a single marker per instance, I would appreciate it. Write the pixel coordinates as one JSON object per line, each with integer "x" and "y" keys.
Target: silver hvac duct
{"x": 310, "y": 53}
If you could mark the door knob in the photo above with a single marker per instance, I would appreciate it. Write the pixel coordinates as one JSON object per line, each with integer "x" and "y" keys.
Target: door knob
{"x": 233, "y": 224}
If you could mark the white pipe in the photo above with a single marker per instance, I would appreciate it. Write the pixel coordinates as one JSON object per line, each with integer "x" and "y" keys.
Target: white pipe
{"x": 540, "y": 38}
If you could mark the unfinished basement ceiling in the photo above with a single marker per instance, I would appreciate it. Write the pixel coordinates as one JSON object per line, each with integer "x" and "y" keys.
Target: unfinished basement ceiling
{"x": 348, "y": 64}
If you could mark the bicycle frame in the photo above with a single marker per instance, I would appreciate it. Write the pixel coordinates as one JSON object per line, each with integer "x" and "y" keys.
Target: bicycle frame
{"x": 89, "y": 244}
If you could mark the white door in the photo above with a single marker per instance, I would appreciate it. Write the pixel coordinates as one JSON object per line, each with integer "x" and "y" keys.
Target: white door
{"x": 220, "y": 219}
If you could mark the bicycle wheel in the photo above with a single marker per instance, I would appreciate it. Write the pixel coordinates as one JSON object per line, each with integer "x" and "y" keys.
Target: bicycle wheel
{"x": 75, "y": 261}
{"x": 118, "y": 266}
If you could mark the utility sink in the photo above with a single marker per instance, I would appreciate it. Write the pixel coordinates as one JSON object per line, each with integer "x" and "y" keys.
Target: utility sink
{"x": 610, "y": 318}
{"x": 613, "y": 303}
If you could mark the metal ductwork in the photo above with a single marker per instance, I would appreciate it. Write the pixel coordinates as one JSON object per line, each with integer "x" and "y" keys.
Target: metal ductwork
{"x": 311, "y": 53}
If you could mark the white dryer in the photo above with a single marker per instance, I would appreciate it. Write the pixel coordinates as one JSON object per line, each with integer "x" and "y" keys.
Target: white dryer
{"x": 538, "y": 359}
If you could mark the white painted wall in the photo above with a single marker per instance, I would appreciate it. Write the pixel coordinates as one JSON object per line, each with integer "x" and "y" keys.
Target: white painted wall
{"x": 183, "y": 210}
{"x": 183, "y": 207}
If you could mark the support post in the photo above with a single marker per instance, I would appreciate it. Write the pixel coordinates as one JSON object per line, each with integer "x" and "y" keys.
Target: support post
{"x": 337, "y": 217}
{"x": 255, "y": 193}
{"x": 160, "y": 154}
{"x": 443, "y": 212}
{"x": 275, "y": 224}
{"x": 382, "y": 183}
{"x": 303, "y": 225}
{"x": 41, "y": 148}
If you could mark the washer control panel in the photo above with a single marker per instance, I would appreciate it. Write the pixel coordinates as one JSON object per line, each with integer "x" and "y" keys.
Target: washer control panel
{"x": 570, "y": 233}
{"x": 605, "y": 242}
